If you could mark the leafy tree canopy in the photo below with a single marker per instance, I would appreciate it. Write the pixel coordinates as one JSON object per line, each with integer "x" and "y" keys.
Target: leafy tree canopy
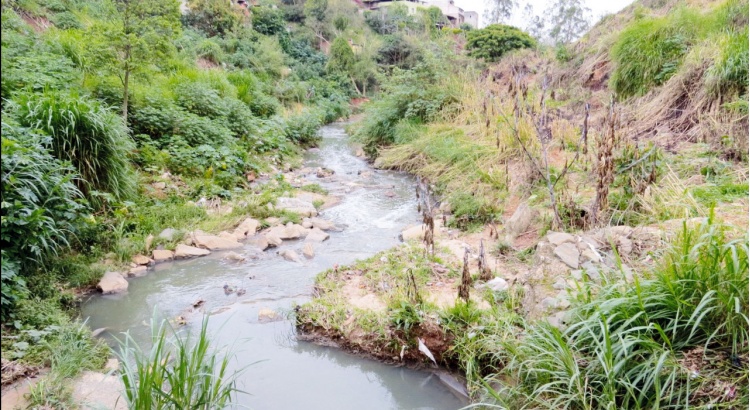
{"x": 493, "y": 41}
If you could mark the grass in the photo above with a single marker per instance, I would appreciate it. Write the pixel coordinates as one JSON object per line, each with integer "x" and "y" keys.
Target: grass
{"x": 178, "y": 372}
{"x": 628, "y": 346}
{"x": 71, "y": 350}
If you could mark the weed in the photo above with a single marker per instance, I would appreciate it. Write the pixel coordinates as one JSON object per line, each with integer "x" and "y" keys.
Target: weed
{"x": 315, "y": 188}
{"x": 178, "y": 372}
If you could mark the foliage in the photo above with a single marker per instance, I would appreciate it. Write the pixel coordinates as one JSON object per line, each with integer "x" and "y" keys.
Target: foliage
{"x": 498, "y": 11}
{"x": 397, "y": 51}
{"x": 41, "y": 209}
{"x": 90, "y": 136}
{"x": 626, "y": 346}
{"x": 212, "y": 17}
{"x": 342, "y": 57}
{"x": 302, "y": 128}
{"x": 268, "y": 21}
{"x": 494, "y": 41}
{"x": 180, "y": 372}
{"x": 568, "y": 20}
{"x": 316, "y": 9}
{"x": 647, "y": 54}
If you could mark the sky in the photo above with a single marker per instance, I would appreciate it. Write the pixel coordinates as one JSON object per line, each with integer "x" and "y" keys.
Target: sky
{"x": 598, "y": 8}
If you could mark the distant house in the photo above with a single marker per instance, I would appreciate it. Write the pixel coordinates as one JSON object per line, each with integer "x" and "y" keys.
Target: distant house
{"x": 471, "y": 18}
{"x": 455, "y": 15}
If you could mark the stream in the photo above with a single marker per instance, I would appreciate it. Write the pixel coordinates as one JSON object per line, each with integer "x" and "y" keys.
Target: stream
{"x": 281, "y": 372}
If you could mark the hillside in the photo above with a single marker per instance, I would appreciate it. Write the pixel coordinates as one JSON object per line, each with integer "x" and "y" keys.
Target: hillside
{"x": 585, "y": 211}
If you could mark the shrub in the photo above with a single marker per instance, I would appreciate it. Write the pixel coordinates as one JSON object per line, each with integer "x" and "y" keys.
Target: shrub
{"x": 212, "y": 17}
{"x": 66, "y": 20}
{"x": 268, "y": 21}
{"x": 302, "y": 128}
{"x": 210, "y": 50}
{"x": 200, "y": 99}
{"x": 93, "y": 138}
{"x": 398, "y": 52}
{"x": 728, "y": 75}
{"x": 495, "y": 40}
{"x": 41, "y": 209}
{"x": 197, "y": 130}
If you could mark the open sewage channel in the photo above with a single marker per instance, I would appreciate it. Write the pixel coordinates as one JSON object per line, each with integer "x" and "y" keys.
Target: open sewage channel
{"x": 281, "y": 372}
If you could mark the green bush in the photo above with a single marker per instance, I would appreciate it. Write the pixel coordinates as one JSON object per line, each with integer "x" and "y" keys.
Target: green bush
{"x": 268, "y": 21}
{"x": 93, "y": 138}
{"x": 495, "y": 40}
{"x": 225, "y": 164}
{"x": 728, "y": 75}
{"x": 212, "y": 17}
{"x": 66, "y": 20}
{"x": 41, "y": 209}
{"x": 302, "y": 128}
{"x": 210, "y": 50}
{"x": 200, "y": 99}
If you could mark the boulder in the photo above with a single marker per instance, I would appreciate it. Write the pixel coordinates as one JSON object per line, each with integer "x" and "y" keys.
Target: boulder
{"x": 413, "y": 232}
{"x": 290, "y": 231}
{"x": 322, "y": 224}
{"x": 568, "y": 253}
{"x": 141, "y": 260}
{"x": 272, "y": 239}
{"x": 316, "y": 235}
{"x": 234, "y": 256}
{"x": 519, "y": 222}
{"x": 185, "y": 251}
{"x": 159, "y": 185}
{"x": 591, "y": 255}
{"x": 290, "y": 255}
{"x": 259, "y": 241}
{"x": 266, "y": 315}
{"x": 558, "y": 238}
{"x": 307, "y": 223}
{"x": 161, "y": 255}
{"x": 272, "y": 221}
{"x": 308, "y": 250}
{"x": 246, "y": 227}
{"x": 112, "y": 282}
{"x": 149, "y": 242}
{"x": 138, "y": 271}
{"x": 212, "y": 242}
{"x": 296, "y": 205}
{"x": 168, "y": 234}
{"x": 497, "y": 284}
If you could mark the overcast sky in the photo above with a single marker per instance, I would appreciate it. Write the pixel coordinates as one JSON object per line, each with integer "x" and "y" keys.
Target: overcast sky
{"x": 598, "y": 8}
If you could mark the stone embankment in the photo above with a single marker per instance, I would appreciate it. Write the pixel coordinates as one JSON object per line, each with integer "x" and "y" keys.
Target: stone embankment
{"x": 313, "y": 230}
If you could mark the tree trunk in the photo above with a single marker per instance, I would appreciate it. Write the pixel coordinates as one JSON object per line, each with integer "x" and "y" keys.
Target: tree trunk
{"x": 125, "y": 94}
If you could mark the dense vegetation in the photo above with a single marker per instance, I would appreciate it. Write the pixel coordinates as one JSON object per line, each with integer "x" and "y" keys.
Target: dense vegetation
{"x": 118, "y": 116}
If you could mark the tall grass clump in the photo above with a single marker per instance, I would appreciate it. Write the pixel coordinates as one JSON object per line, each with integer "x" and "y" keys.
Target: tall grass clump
{"x": 177, "y": 373}
{"x": 636, "y": 345}
{"x": 649, "y": 52}
{"x": 93, "y": 138}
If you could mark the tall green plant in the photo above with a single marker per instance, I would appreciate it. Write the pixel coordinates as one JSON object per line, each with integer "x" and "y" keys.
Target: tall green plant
{"x": 177, "y": 373}
{"x": 93, "y": 138}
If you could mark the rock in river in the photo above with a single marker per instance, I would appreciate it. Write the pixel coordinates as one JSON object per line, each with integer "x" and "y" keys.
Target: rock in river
{"x": 185, "y": 251}
{"x": 296, "y": 205}
{"x": 112, "y": 282}
{"x": 212, "y": 242}
{"x": 316, "y": 235}
{"x": 161, "y": 255}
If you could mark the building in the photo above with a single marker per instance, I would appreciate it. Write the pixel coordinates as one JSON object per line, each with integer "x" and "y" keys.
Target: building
{"x": 455, "y": 15}
{"x": 471, "y": 18}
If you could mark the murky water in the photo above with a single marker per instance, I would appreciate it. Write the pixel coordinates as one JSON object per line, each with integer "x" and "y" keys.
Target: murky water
{"x": 281, "y": 372}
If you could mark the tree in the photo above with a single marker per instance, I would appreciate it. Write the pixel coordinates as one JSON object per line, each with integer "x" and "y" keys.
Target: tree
{"x": 342, "y": 57}
{"x": 268, "y": 21}
{"x": 141, "y": 34}
{"x": 534, "y": 24}
{"x": 568, "y": 20}
{"x": 316, "y": 9}
{"x": 499, "y": 10}
{"x": 493, "y": 41}
{"x": 213, "y": 17}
